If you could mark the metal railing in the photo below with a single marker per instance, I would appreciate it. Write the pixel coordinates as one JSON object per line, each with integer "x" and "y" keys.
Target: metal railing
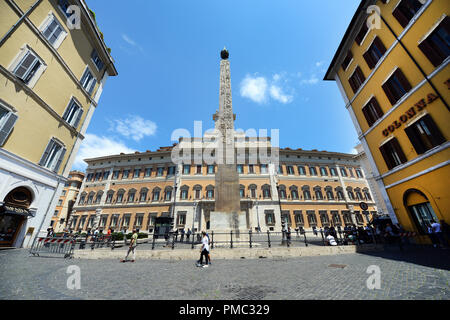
{"x": 50, "y": 246}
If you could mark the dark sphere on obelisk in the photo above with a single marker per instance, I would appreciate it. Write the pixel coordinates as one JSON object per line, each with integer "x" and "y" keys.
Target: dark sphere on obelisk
{"x": 224, "y": 54}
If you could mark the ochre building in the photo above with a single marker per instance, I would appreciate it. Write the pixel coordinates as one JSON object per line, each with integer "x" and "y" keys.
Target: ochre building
{"x": 392, "y": 68}
{"x": 53, "y": 68}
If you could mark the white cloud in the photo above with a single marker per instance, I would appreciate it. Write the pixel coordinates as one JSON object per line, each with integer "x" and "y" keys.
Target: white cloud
{"x": 94, "y": 146}
{"x": 312, "y": 80}
{"x": 128, "y": 40}
{"x": 134, "y": 127}
{"x": 277, "y": 93}
{"x": 353, "y": 151}
{"x": 319, "y": 63}
{"x": 254, "y": 88}
{"x": 132, "y": 43}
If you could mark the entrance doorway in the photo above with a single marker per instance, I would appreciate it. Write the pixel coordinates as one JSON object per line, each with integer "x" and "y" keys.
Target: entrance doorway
{"x": 13, "y": 214}
{"x": 420, "y": 209}
{"x": 162, "y": 227}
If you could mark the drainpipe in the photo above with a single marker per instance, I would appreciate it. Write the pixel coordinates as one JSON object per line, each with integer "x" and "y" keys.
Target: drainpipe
{"x": 25, "y": 15}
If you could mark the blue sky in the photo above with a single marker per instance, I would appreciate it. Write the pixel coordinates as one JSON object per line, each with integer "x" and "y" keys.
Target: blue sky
{"x": 167, "y": 53}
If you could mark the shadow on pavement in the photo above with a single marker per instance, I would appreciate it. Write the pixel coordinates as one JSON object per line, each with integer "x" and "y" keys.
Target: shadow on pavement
{"x": 421, "y": 255}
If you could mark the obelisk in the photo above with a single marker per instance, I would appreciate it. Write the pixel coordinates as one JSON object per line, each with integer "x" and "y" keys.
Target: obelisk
{"x": 227, "y": 214}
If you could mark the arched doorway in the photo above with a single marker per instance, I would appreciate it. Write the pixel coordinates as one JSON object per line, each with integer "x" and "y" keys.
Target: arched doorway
{"x": 13, "y": 214}
{"x": 420, "y": 209}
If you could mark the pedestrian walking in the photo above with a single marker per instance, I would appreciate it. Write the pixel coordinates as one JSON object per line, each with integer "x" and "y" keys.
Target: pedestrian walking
{"x": 204, "y": 251}
{"x": 209, "y": 251}
{"x": 431, "y": 235}
{"x": 132, "y": 247}
{"x": 436, "y": 226}
{"x": 188, "y": 234}
{"x": 182, "y": 235}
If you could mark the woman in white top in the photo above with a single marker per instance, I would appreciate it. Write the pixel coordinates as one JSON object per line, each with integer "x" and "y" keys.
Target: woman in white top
{"x": 204, "y": 251}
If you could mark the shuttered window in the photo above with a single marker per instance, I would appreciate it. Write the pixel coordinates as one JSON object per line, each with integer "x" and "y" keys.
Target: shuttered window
{"x": 372, "y": 111}
{"x": 53, "y": 31}
{"x": 53, "y": 156}
{"x": 357, "y": 79}
{"x": 436, "y": 46}
{"x": 7, "y": 122}
{"x": 88, "y": 81}
{"x": 406, "y": 10}
{"x": 347, "y": 60}
{"x": 424, "y": 134}
{"x": 396, "y": 86}
{"x": 362, "y": 33}
{"x": 97, "y": 61}
{"x": 73, "y": 114}
{"x": 374, "y": 53}
{"x": 392, "y": 153}
{"x": 27, "y": 67}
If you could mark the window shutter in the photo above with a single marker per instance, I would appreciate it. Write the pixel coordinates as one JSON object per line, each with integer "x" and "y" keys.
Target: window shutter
{"x": 436, "y": 135}
{"x": 415, "y": 141}
{"x": 369, "y": 59}
{"x": 66, "y": 112}
{"x": 430, "y": 53}
{"x": 7, "y": 127}
{"x": 401, "y": 18}
{"x": 386, "y": 157}
{"x": 25, "y": 65}
{"x": 352, "y": 84}
{"x": 361, "y": 76}
{"x": 368, "y": 116}
{"x": 377, "y": 107}
{"x": 46, "y": 152}
{"x": 388, "y": 92}
{"x": 401, "y": 77}
{"x": 379, "y": 44}
{"x": 79, "y": 115}
{"x": 399, "y": 150}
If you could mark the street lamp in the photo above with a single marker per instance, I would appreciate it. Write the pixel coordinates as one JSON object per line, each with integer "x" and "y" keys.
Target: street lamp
{"x": 283, "y": 223}
{"x": 257, "y": 215}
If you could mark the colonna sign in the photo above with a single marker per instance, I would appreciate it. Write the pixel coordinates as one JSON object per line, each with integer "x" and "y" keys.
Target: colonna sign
{"x": 410, "y": 113}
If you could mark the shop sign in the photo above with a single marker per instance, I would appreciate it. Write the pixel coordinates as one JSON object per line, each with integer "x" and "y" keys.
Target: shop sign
{"x": 410, "y": 113}
{"x": 5, "y": 209}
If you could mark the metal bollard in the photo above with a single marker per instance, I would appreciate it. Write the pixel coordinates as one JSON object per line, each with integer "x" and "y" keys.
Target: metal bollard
{"x": 304, "y": 234}
{"x": 153, "y": 241}
{"x": 212, "y": 239}
{"x": 173, "y": 241}
{"x": 323, "y": 239}
{"x": 193, "y": 238}
{"x": 268, "y": 237}
{"x": 231, "y": 239}
{"x": 250, "y": 235}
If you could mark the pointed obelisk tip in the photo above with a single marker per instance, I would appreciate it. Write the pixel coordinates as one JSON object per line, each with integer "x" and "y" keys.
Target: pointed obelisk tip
{"x": 224, "y": 54}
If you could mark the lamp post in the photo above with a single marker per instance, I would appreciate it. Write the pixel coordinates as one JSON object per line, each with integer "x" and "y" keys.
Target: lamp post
{"x": 257, "y": 215}
{"x": 283, "y": 223}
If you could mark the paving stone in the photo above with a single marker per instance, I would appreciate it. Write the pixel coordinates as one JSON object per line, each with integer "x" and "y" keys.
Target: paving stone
{"x": 416, "y": 274}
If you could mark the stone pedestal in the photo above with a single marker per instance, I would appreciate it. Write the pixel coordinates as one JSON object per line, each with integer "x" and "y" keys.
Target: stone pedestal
{"x": 229, "y": 226}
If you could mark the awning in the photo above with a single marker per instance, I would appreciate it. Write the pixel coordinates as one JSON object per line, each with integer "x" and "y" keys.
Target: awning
{"x": 5, "y": 209}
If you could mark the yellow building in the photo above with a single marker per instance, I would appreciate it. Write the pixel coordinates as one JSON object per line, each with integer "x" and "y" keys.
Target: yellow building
{"x": 66, "y": 201}
{"x": 392, "y": 70}
{"x": 53, "y": 67}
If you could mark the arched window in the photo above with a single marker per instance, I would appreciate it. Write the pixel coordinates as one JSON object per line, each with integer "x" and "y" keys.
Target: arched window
{"x": 109, "y": 196}
{"x": 143, "y": 195}
{"x": 98, "y": 198}
{"x": 358, "y": 194}
{"x": 210, "y": 192}
{"x": 339, "y": 193}
{"x": 266, "y": 191}
{"x": 318, "y": 193}
{"x": 242, "y": 191}
{"x": 168, "y": 193}
{"x": 329, "y": 192}
{"x": 350, "y": 194}
{"x": 82, "y": 198}
{"x": 252, "y": 189}
{"x": 282, "y": 189}
{"x": 420, "y": 209}
{"x": 294, "y": 192}
{"x": 184, "y": 192}
{"x": 306, "y": 193}
{"x": 120, "y": 194}
{"x": 197, "y": 191}
{"x": 156, "y": 192}
{"x": 367, "y": 195}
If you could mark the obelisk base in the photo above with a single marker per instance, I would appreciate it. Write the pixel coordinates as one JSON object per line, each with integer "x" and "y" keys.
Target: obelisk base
{"x": 229, "y": 228}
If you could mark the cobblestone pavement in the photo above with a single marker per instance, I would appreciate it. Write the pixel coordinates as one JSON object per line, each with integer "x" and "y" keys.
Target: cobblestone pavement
{"x": 415, "y": 274}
